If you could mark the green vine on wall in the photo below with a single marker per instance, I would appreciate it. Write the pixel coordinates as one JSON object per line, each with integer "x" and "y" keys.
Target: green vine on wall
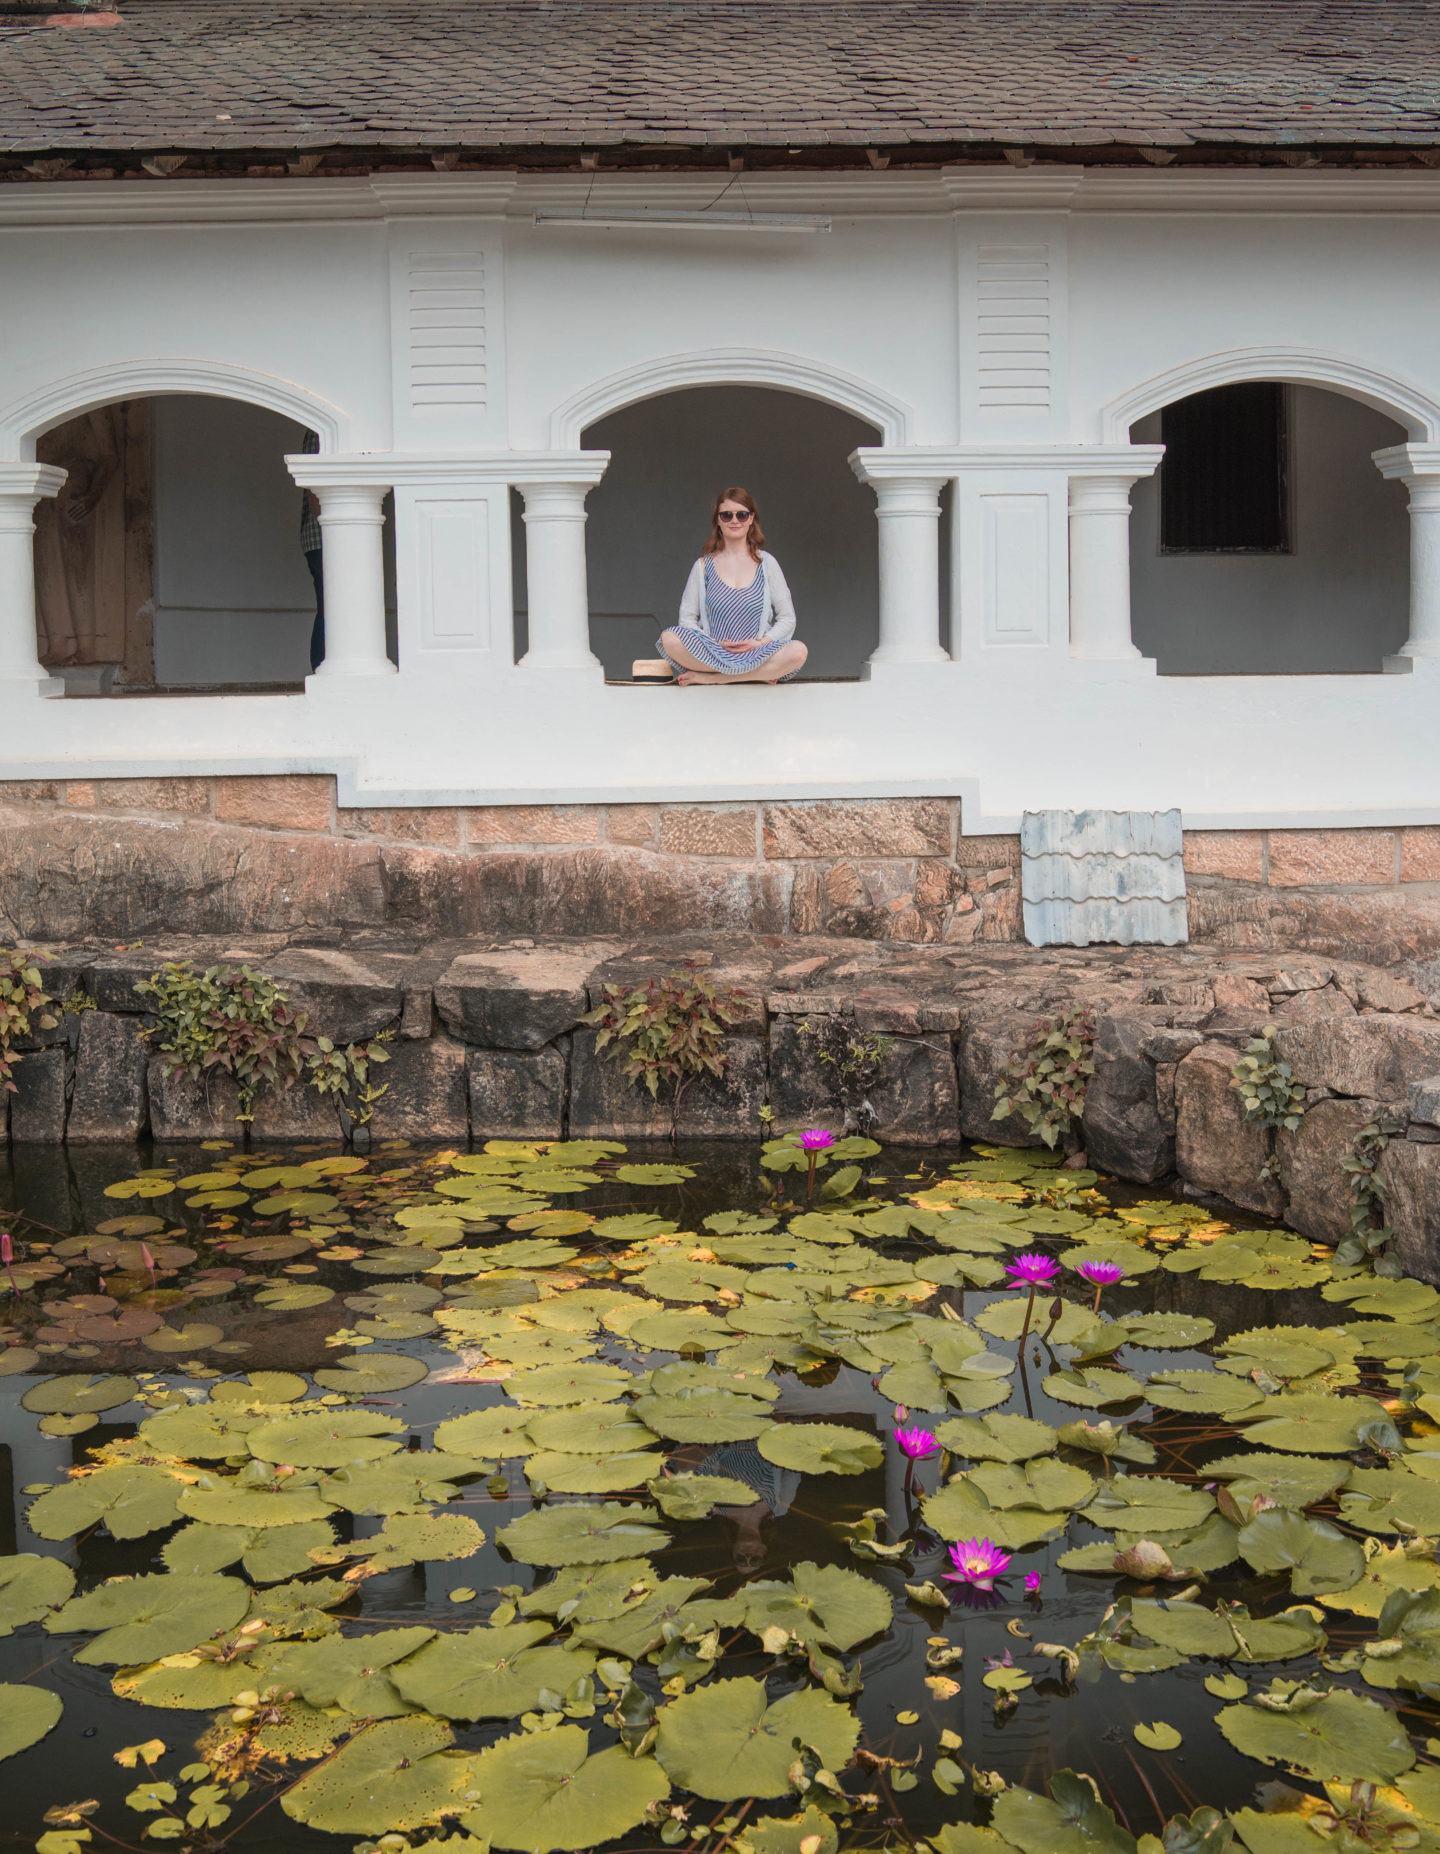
{"x": 23, "y": 1008}
{"x": 854, "y": 1059}
{"x": 1268, "y": 1090}
{"x": 668, "y": 1030}
{"x": 237, "y": 1022}
{"x": 1370, "y": 1235}
{"x": 1045, "y": 1080}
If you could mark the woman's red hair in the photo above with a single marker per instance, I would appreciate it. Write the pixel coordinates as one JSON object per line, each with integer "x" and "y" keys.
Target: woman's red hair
{"x": 754, "y": 535}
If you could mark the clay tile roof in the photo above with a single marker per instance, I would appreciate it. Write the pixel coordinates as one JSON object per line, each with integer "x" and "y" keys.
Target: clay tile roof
{"x": 293, "y": 74}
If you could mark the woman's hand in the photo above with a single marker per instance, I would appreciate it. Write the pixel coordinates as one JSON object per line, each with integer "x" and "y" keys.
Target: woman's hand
{"x": 741, "y": 644}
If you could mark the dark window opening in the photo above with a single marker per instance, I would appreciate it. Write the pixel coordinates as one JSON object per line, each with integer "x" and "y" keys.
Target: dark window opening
{"x": 1224, "y": 479}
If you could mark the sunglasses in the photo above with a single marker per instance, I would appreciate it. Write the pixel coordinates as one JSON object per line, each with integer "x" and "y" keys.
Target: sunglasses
{"x": 735, "y": 514}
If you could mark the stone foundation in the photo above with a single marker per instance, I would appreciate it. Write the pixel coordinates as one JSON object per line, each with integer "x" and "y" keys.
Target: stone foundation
{"x": 121, "y": 858}
{"x": 487, "y": 1042}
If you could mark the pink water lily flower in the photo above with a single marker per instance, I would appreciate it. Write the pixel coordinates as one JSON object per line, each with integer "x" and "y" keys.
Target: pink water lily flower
{"x": 1032, "y": 1583}
{"x": 1100, "y": 1274}
{"x": 1034, "y": 1269}
{"x": 916, "y": 1444}
{"x": 816, "y": 1139}
{"x": 977, "y": 1563}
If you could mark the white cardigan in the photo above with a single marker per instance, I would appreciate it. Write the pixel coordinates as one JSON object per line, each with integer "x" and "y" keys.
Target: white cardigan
{"x": 777, "y": 624}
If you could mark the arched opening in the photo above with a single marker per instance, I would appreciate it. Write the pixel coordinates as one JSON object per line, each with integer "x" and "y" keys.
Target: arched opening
{"x": 1268, "y": 543}
{"x": 179, "y": 555}
{"x": 649, "y": 517}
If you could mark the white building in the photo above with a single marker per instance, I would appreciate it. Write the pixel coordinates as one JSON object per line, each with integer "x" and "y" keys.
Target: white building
{"x": 551, "y": 275}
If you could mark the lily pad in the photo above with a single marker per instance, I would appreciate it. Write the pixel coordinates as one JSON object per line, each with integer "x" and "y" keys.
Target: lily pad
{"x": 1318, "y": 1557}
{"x": 695, "y": 1496}
{"x": 334, "y": 1672}
{"x": 723, "y": 1741}
{"x": 26, "y": 1715}
{"x": 572, "y": 1383}
{"x": 489, "y": 1673}
{"x": 1310, "y": 1423}
{"x": 705, "y": 1415}
{"x": 1092, "y": 1386}
{"x": 143, "y": 1618}
{"x": 1340, "y": 1738}
{"x": 1289, "y": 1480}
{"x": 130, "y": 1501}
{"x": 1207, "y": 1392}
{"x": 820, "y": 1448}
{"x": 364, "y": 1373}
{"x": 500, "y": 1431}
{"x": 543, "y": 1791}
{"x": 30, "y": 1587}
{"x": 78, "y": 1396}
{"x": 996, "y": 1438}
{"x": 389, "y": 1777}
{"x": 581, "y": 1533}
{"x": 1071, "y": 1820}
{"x": 820, "y": 1603}
{"x": 330, "y": 1440}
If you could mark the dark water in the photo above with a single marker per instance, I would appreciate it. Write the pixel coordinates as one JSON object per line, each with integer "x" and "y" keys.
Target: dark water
{"x": 1086, "y": 1726}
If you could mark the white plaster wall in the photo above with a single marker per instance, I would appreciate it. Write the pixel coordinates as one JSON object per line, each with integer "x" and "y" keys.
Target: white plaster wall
{"x": 308, "y": 298}
{"x": 1338, "y": 601}
{"x": 650, "y": 515}
{"x": 234, "y": 601}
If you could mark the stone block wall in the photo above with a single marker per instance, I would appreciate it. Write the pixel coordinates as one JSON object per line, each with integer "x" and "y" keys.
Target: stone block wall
{"x": 487, "y": 1042}
{"x": 117, "y": 858}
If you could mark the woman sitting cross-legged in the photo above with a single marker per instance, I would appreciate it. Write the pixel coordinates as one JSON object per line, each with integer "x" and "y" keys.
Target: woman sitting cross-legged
{"x": 737, "y": 620}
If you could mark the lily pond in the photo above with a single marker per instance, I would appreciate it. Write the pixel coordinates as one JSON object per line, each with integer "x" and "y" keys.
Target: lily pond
{"x": 562, "y": 1496}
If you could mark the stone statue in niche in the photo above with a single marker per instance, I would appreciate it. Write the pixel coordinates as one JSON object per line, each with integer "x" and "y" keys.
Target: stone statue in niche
{"x": 92, "y": 544}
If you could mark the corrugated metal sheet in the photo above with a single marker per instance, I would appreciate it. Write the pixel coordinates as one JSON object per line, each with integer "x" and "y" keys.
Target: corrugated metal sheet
{"x": 1089, "y": 877}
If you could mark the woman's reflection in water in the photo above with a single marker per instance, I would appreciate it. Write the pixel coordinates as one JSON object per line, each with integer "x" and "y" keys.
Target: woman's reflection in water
{"x": 774, "y": 1489}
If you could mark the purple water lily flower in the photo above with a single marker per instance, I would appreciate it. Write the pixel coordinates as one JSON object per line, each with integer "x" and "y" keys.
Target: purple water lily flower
{"x": 1100, "y": 1275}
{"x": 816, "y": 1139}
{"x": 916, "y": 1444}
{"x": 977, "y": 1563}
{"x": 1035, "y": 1269}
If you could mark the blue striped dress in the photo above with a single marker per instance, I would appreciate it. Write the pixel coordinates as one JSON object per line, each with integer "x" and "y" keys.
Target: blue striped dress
{"x": 733, "y": 614}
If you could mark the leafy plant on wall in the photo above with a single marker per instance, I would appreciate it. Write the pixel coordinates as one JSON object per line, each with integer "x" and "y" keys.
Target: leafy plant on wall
{"x": 23, "y": 1008}
{"x": 853, "y": 1059}
{"x": 1044, "y": 1082}
{"x": 234, "y": 1021}
{"x": 668, "y": 1031}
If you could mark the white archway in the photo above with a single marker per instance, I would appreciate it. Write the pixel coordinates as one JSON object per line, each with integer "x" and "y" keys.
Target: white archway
{"x": 730, "y": 367}
{"x": 26, "y": 419}
{"x": 1397, "y": 399}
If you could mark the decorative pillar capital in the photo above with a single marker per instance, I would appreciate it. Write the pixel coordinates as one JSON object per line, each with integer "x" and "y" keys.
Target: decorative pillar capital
{"x": 349, "y": 504}
{"x": 23, "y": 484}
{"x": 907, "y": 495}
{"x": 1101, "y": 495}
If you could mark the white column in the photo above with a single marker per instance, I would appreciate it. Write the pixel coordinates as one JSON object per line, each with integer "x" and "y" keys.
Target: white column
{"x": 1100, "y": 566}
{"x": 1417, "y": 466}
{"x": 907, "y": 508}
{"x": 21, "y": 487}
{"x": 558, "y": 595}
{"x": 352, "y": 522}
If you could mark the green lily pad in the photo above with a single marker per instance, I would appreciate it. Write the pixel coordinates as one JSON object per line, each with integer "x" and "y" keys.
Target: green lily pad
{"x": 143, "y": 1618}
{"x": 820, "y": 1603}
{"x": 219, "y": 1503}
{"x": 1003, "y": 1319}
{"x": 499, "y": 1431}
{"x": 570, "y": 1383}
{"x": 695, "y": 1496}
{"x": 653, "y": 1174}
{"x": 1318, "y": 1557}
{"x": 293, "y": 1296}
{"x": 705, "y": 1415}
{"x": 581, "y": 1533}
{"x": 489, "y": 1673}
{"x": 330, "y": 1440}
{"x": 78, "y": 1396}
{"x": 1289, "y": 1480}
{"x": 544, "y": 1791}
{"x": 1092, "y": 1386}
{"x": 680, "y": 1331}
{"x": 1072, "y": 1820}
{"x": 1340, "y": 1738}
{"x": 1048, "y": 1484}
{"x": 421, "y": 1538}
{"x": 1161, "y": 1331}
{"x": 389, "y": 1777}
{"x": 722, "y": 1740}
{"x": 30, "y": 1587}
{"x": 580, "y": 1474}
{"x": 1157, "y": 1737}
{"x": 820, "y": 1448}
{"x": 996, "y": 1438}
{"x": 1303, "y": 1422}
{"x": 333, "y": 1672}
{"x": 26, "y": 1715}
{"x": 201, "y": 1431}
{"x": 590, "y": 1429}
{"x": 778, "y": 1834}
{"x": 366, "y": 1372}
{"x": 1149, "y": 1505}
{"x": 130, "y": 1501}
{"x": 405, "y": 1483}
{"x": 1207, "y": 1392}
